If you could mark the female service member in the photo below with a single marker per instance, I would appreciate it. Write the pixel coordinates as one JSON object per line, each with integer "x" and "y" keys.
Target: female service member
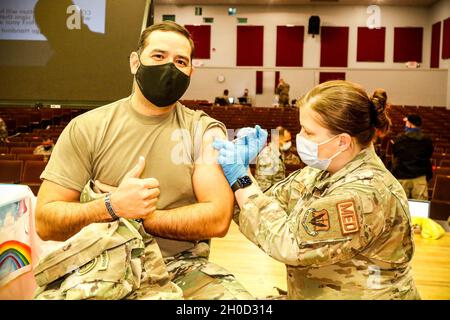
{"x": 341, "y": 225}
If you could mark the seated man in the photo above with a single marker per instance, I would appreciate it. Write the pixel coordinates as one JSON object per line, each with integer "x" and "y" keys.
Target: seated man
{"x": 245, "y": 99}
{"x": 45, "y": 148}
{"x": 158, "y": 153}
{"x": 223, "y": 100}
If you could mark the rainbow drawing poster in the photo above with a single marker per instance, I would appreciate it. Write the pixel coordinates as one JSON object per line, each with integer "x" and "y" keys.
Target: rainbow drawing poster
{"x": 15, "y": 250}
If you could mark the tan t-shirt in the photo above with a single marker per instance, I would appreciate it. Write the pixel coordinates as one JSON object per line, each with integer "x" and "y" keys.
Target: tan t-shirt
{"x": 105, "y": 143}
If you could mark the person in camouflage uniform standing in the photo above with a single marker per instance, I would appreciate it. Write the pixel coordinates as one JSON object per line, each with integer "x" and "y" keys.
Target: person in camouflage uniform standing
{"x": 342, "y": 224}
{"x": 282, "y": 91}
{"x": 3, "y": 132}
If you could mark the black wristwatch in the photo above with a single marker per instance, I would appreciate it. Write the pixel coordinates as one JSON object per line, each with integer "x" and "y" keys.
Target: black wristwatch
{"x": 241, "y": 182}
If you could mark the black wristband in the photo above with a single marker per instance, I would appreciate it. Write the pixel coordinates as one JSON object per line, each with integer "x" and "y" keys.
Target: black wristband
{"x": 241, "y": 182}
{"x": 109, "y": 207}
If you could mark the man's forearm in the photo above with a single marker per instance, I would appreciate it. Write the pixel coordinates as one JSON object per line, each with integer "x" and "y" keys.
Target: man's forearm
{"x": 60, "y": 220}
{"x": 192, "y": 222}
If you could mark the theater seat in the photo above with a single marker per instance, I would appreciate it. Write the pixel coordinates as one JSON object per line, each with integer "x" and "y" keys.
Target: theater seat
{"x": 7, "y": 156}
{"x": 445, "y": 163}
{"x": 10, "y": 171}
{"x": 438, "y": 171}
{"x": 28, "y": 156}
{"x": 440, "y": 201}
{"x": 17, "y": 144}
{"x": 21, "y": 150}
{"x": 31, "y": 173}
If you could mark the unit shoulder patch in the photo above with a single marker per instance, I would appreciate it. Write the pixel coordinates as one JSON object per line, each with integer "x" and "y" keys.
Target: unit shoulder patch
{"x": 315, "y": 221}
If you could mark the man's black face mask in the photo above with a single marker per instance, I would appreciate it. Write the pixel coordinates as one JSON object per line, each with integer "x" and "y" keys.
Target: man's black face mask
{"x": 162, "y": 84}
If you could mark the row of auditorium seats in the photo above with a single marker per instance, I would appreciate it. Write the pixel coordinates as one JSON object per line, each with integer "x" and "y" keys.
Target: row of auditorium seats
{"x": 20, "y": 119}
{"x": 19, "y": 144}
{"x": 268, "y": 118}
{"x": 5, "y": 149}
{"x": 21, "y": 156}
{"x": 22, "y": 171}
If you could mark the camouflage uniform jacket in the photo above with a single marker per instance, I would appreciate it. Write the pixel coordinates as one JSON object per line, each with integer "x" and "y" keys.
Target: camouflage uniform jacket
{"x": 269, "y": 167}
{"x": 3, "y": 131}
{"x": 344, "y": 236}
{"x": 283, "y": 94}
{"x": 40, "y": 150}
{"x": 290, "y": 158}
{"x": 283, "y": 89}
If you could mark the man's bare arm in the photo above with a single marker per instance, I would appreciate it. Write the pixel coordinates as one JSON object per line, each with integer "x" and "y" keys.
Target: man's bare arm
{"x": 208, "y": 218}
{"x": 59, "y": 214}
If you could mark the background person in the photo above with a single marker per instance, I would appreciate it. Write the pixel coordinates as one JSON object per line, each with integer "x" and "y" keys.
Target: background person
{"x": 3, "y": 132}
{"x": 282, "y": 91}
{"x": 412, "y": 151}
{"x": 224, "y": 100}
{"x": 45, "y": 148}
{"x": 245, "y": 99}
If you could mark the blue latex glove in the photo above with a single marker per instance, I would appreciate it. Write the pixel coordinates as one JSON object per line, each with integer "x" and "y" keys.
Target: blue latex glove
{"x": 231, "y": 160}
{"x": 234, "y": 157}
{"x": 250, "y": 142}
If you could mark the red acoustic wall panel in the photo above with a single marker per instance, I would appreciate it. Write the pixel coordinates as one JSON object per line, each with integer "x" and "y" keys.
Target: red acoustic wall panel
{"x": 328, "y": 76}
{"x": 250, "y": 43}
{"x": 290, "y": 46}
{"x": 259, "y": 82}
{"x": 435, "y": 44}
{"x": 371, "y": 43}
{"x": 408, "y": 44}
{"x": 277, "y": 79}
{"x": 334, "y": 47}
{"x": 446, "y": 39}
{"x": 202, "y": 40}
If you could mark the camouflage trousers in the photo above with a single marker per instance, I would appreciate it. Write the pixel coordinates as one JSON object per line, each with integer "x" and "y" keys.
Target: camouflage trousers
{"x": 200, "y": 279}
{"x": 416, "y": 188}
{"x": 283, "y": 100}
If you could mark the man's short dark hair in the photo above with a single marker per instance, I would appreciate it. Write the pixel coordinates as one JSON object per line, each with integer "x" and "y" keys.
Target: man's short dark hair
{"x": 165, "y": 26}
{"x": 415, "y": 119}
{"x": 225, "y": 92}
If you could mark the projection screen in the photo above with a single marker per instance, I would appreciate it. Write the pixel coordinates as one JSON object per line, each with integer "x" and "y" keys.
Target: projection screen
{"x": 68, "y": 51}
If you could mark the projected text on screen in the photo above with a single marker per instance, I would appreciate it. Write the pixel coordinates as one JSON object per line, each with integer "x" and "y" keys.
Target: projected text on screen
{"x": 17, "y": 18}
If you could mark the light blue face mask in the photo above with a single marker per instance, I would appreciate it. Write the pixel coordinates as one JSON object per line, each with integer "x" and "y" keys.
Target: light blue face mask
{"x": 286, "y": 146}
{"x": 308, "y": 152}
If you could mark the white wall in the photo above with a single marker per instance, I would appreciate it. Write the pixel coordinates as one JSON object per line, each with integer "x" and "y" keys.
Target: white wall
{"x": 421, "y": 87}
{"x": 439, "y": 12}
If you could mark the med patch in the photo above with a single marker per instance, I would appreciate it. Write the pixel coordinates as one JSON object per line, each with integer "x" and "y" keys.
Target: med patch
{"x": 347, "y": 217}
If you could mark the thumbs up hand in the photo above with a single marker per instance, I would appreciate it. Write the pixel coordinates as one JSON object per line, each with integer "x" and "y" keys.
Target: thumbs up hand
{"x": 135, "y": 198}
